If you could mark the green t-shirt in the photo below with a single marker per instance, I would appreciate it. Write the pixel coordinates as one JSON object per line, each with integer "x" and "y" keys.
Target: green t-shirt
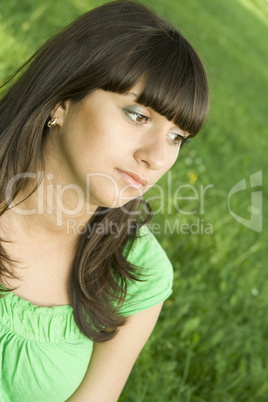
{"x": 43, "y": 354}
{"x": 156, "y": 286}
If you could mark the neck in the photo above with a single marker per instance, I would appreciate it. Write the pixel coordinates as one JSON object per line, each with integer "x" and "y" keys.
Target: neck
{"x": 53, "y": 211}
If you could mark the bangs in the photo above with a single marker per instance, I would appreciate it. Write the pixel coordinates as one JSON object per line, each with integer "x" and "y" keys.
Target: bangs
{"x": 175, "y": 81}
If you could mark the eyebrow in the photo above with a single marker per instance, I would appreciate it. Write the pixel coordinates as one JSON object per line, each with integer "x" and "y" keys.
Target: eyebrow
{"x": 133, "y": 94}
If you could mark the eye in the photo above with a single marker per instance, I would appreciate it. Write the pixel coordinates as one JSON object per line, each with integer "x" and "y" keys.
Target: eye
{"x": 136, "y": 117}
{"x": 177, "y": 139}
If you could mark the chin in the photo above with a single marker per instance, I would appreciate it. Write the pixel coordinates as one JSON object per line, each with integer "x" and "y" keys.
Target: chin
{"x": 119, "y": 203}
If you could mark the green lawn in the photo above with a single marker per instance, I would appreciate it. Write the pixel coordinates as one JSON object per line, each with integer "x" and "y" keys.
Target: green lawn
{"x": 210, "y": 342}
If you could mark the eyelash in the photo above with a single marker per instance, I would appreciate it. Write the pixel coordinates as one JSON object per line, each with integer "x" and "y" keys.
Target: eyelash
{"x": 183, "y": 140}
{"x": 130, "y": 112}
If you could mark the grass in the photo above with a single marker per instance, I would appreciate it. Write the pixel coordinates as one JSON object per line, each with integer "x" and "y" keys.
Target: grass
{"x": 210, "y": 342}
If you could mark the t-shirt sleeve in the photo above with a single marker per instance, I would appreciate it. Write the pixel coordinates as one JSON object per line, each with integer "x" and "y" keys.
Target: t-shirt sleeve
{"x": 157, "y": 274}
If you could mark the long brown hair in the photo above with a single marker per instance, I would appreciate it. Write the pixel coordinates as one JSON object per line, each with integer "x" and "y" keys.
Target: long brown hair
{"x": 111, "y": 48}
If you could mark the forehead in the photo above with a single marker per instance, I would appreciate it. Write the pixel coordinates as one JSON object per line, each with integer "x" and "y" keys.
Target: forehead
{"x": 138, "y": 88}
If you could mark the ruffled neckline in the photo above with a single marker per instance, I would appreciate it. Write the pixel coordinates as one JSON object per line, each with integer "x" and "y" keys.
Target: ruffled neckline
{"x": 54, "y": 324}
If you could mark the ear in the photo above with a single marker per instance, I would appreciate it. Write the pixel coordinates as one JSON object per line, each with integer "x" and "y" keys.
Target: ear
{"x": 60, "y": 112}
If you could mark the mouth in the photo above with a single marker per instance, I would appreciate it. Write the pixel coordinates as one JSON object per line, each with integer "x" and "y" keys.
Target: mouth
{"x": 133, "y": 180}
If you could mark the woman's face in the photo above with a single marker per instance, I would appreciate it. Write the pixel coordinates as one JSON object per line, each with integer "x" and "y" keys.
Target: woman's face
{"x": 113, "y": 148}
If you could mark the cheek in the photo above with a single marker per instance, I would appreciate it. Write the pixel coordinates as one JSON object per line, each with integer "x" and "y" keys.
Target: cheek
{"x": 171, "y": 159}
{"x": 85, "y": 137}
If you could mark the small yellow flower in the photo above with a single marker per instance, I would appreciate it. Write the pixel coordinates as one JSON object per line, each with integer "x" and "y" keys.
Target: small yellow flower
{"x": 169, "y": 302}
{"x": 192, "y": 177}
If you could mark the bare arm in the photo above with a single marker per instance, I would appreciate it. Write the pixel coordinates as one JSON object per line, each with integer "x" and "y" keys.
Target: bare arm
{"x": 112, "y": 361}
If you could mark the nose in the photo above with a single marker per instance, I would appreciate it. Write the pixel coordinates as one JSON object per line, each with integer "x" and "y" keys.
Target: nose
{"x": 152, "y": 151}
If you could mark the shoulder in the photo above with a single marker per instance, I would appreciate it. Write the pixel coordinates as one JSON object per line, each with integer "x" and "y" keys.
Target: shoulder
{"x": 156, "y": 274}
{"x": 147, "y": 254}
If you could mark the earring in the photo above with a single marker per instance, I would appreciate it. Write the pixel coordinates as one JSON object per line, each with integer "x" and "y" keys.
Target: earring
{"x": 52, "y": 122}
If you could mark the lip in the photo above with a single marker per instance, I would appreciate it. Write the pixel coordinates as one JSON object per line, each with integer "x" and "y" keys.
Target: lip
{"x": 134, "y": 180}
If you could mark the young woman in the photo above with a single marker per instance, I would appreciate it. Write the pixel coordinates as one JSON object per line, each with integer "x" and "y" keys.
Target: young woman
{"x": 99, "y": 115}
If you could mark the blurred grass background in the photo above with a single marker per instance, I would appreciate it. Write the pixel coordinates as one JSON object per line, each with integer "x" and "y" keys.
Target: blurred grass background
{"x": 210, "y": 344}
